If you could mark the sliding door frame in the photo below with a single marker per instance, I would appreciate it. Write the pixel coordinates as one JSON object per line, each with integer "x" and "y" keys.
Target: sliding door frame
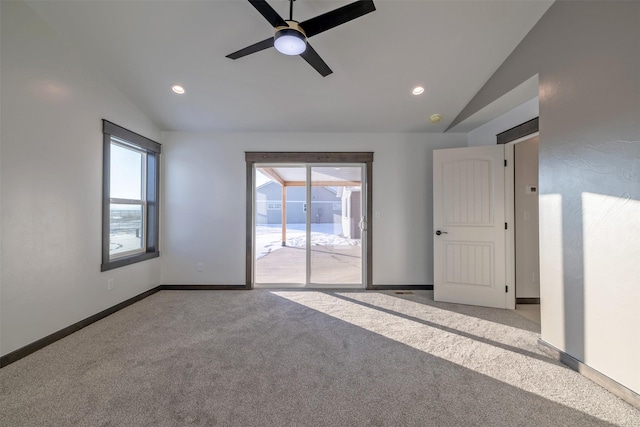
{"x": 253, "y": 158}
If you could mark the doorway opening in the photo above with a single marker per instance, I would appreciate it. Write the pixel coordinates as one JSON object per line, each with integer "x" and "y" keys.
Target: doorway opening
{"x": 522, "y": 189}
{"x": 307, "y": 220}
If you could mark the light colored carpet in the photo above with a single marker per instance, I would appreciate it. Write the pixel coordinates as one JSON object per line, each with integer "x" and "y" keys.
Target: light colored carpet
{"x": 302, "y": 358}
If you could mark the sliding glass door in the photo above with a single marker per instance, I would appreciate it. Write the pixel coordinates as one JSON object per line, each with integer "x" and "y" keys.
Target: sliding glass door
{"x": 335, "y": 222}
{"x": 280, "y": 232}
{"x": 308, "y": 223}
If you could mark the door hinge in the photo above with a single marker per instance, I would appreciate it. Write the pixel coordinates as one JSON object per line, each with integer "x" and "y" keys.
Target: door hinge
{"x": 506, "y": 227}
{"x": 505, "y": 163}
{"x": 506, "y": 289}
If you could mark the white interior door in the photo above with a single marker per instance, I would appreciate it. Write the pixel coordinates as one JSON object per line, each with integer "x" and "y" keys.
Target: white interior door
{"x": 469, "y": 226}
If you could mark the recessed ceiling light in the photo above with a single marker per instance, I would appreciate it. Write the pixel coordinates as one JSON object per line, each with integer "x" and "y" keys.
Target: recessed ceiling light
{"x": 418, "y": 90}
{"x": 435, "y": 118}
{"x": 177, "y": 89}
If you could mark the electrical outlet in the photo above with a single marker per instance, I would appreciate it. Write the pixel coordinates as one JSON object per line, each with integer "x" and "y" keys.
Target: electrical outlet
{"x": 199, "y": 267}
{"x": 110, "y": 285}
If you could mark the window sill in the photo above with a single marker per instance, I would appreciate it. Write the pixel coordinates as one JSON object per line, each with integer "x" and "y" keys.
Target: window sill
{"x": 121, "y": 262}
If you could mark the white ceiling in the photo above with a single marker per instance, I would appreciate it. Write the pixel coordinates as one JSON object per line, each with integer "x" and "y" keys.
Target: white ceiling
{"x": 450, "y": 47}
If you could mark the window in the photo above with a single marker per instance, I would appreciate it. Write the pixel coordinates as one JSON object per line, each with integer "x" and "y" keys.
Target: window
{"x": 130, "y": 197}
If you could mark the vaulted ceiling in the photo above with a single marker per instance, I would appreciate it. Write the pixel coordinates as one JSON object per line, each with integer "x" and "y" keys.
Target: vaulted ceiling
{"x": 449, "y": 47}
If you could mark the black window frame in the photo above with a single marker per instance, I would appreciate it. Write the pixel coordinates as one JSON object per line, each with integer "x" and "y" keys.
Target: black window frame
{"x": 152, "y": 150}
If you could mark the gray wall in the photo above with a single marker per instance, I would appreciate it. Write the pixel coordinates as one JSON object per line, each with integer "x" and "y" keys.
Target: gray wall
{"x": 51, "y": 173}
{"x": 587, "y": 57}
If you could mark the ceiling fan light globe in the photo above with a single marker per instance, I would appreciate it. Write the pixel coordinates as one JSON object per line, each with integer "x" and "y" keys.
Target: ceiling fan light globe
{"x": 290, "y": 42}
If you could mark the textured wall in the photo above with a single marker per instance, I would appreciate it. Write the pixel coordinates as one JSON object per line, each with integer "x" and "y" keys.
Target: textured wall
{"x": 590, "y": 159}
{"x": 587, "y": 56}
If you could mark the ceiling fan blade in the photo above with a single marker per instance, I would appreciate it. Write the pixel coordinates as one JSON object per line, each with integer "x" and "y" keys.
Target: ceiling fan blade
{"x": 312, "y": 57}
{"x": 337, "y": 17}
{"x": 257, "y": 47}
{"x": 267, "y": 11}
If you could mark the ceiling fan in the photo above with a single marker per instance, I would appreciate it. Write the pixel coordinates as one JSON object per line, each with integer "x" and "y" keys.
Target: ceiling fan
{"x": 291, "y": 36}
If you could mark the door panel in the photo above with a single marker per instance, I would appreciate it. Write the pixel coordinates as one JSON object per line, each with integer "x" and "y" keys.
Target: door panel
{"x": 469, "y": 240}
{"x": 280, "y": 226}
{"x": 470, "y": 180}
{"x": 336, "y": 212}
{"x": 465, "y": 263}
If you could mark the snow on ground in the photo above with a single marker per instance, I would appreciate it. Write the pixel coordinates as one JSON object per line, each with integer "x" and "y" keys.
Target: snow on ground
{"x": 123, "y": 242}
{"x": 268, "y": 237}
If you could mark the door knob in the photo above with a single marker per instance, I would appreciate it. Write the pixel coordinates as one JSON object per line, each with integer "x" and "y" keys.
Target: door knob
{"x": 438, "y": 232}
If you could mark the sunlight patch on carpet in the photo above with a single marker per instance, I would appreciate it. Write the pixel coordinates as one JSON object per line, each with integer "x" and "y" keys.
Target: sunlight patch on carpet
{"x": 448, "y": 338}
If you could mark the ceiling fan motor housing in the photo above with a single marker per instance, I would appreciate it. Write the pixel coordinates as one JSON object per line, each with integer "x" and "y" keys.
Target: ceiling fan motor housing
{"x": 290, "y": 40}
